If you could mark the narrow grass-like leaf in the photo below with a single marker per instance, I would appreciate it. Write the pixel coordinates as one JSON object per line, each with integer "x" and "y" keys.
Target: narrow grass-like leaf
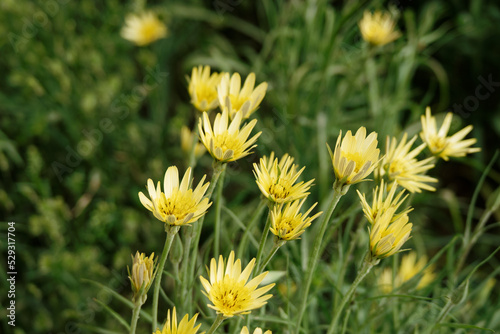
{"x": 114, "y": 314}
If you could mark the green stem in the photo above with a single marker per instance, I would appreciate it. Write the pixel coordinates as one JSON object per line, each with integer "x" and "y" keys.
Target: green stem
{"x": 218, "y": 205}
{"x": 262, "y": 242}
{"x": 216, "y": 324}
{"x": 188, "y": 237}
{"x": 171, "y": 232}
{"x": 192, "y": 155}
{"x": 135, "y": 317}
{"x": 368, "y": 264}
{"x": 313, "y": 259}
{"x": 277, "y": 244}
{"x": 255, "y": 218}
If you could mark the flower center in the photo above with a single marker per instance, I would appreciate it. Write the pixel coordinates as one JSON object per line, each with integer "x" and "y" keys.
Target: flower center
{"x": 356, "y": 157}
{"x": 229, "y": 295}
{"x": 279, "y": 189}
{"x": 180, "y": 204}
{"x": 237, "y": 101}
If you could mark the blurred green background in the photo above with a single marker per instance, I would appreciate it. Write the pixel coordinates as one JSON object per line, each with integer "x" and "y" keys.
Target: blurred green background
{"x": 86, "y": 118}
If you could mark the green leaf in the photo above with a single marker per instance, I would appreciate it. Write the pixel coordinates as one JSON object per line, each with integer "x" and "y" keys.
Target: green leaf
{"x": 456, "y": 325}
{"x": 114, "y": 314}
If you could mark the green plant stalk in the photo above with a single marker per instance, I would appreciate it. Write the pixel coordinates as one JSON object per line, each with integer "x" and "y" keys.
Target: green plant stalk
{"x": 218, "y": 205}
{"x": 192, "y": 155}
{"x": 135, "y": 317}
{"x": 171, "y": 232}
{"x": 216, "y": 324}
{"x": 313, "y": 259}
{"x": 277, "y": 244}
{"x": 188, "y": 237}
{"x": 255, "y": 217}
{"x": 262, "y": 242}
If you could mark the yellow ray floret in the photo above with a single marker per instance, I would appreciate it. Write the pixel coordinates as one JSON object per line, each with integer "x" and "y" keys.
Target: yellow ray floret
{"x": 203, "y": 88}
{"x": 178, "y": 204}
{"x": 143, "y": 29}
{"x": 387, "y": 236}
{"x": 440, "y": 144}
{"x": 244, "y": 330}
{"x": 276, "y": 179}
{"x": 288, "y": 223}
{"x": 228, "y": 289}
{"x": 226, "y": 142}
{"x": 186, "y": 326}
{"x": 378, "y": 28}
{"x": 246, "y": 99}
{"x": 355, "y": 157}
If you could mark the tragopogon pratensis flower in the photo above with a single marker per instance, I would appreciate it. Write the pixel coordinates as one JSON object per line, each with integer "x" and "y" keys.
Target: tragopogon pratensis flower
{"x": 288, "y": 223}
{"x": 142, "y": 274}
{"x": 244, "y": 330}
{"x": 228, "y": 289}
{"x": 401, "y": 165}
{"x": 187, "y": 138}
{"x": 378, "y": 28}
{"x": 203, "y": 88}
{"x": 355, "y": 157}
{"x": 177, "y": 204}
{"x": 246, "y": 99}
{"x": 276, "y": 179}
{"x": 186, "y": 326}
{"x": 439, "y": 144}
{"x": 226, "y": 142}
{"x": 143, "y": 29}
{"x": 387, "y": 235}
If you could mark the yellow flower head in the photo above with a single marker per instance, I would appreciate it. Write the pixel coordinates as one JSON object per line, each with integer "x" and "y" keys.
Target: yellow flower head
{"x": 378, "y": 28}
{"x": 187, "y": 138}
{"x": 228, "y": 289}
{"x": 387, "y": 235}
{"x": 244, "y": 330}
{"x": 203, "y": 88}
{"x": 226, "y": 142}
{"x": 177, "y": 204}
{"x": 246, "y": 99}
{"x": 186, "y": 326}
{"x": 383, "y": 201}
{"x": 142, "y": 272}
{"x": 143, "y": 29}
{"x": 288, "y": 223}
{"x": 355, "y": 157}
{"x": 442, "y": 146}
{"x": 276, "y": 179}
{"x": 401, "y": 165}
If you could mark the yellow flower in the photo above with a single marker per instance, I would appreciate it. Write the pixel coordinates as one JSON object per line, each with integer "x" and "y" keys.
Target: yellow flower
{"x": 378, "y": 28}
{"x": 400, "y": 165}
{"x": 229, "y": 291}
{"x": 143, "y": 29}
{"x": 289, "y": 223}
{"x": 442, "y": 146}
{"x": 186, "y": 326}
{"x": 187, "y": 138}
{"x": 383, "y": 201}
{"x": 276, "y": 179}
{"x": 246, "y": 99}
{"x": 142, "y": 272}
{"x": 355, "y": 157}
{"x": 244, "y": 330}
{"x": 203, "y": 88}
{"x": 387, "y": 235}
{"x": 227, "y": 143}
{"x": 177, "y": 204}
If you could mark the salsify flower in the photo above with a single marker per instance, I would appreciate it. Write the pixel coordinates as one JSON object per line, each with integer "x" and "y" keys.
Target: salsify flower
{"x": 178, "y": 204}
{"x": 246, "y": 99}
{"x": 203, "y": 88}
{"x": 143, "y": 29}
{"x": 276, "y": 179}
{"x": 288, "y": 223}
{"x": 387, "y": 235}
{"x": 355, "y": 157}
{"x": 383, "y": 201}
{"x": 142, "y": 274}
{"x": 244, "y": 330}
{"x": 228, "y": 289}
{"x": 378, "y": 28}
{"x": 439, "y": 143}
{"x": 186, "y": 326}
{"x": 187, "y": 138}
{"x": 227, "y": 142}
{"x": 401, "y": 165}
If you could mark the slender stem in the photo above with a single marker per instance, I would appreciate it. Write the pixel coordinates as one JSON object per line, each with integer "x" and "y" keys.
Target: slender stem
{"x": 135, "y": 317}
{"x": 255, "y": 218}
{"x": 313, "y": 259}
{"x": 365, "y": 269}
{"x": 188, "y": 237}
{"x": 171, "y": 232}
{"x": 277, "y": 244}
{"x": 216, "y": 324}
{"x": 262, "y": 242}
{"x": 192, "y": 155}
{"x": 218, "y": 206}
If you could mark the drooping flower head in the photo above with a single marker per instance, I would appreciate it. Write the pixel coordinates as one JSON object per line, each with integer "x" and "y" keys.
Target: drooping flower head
{"x": 401, "y": 165}
{"x": 203, "y": 88}
{"x": 355, "y": 157}
{"x": 186, "y": 326}
{"x": 226, "y": 142}
{"x": 289, "y": 223}
{"x": 142, "y": 273}
{"x": 378, "y": 28}
{"x": 440, "y": 144}
{"x": 187, "y": 138}
{"x": 244, "y": 330}
{"x": 178, "y": 204}
{"x": 387, "y": 235}
{"x": 276, "y": 179}
{"x": 143, "y": 29}
{"x": 246, "y": 99}
{"x": 228, "y": 289}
